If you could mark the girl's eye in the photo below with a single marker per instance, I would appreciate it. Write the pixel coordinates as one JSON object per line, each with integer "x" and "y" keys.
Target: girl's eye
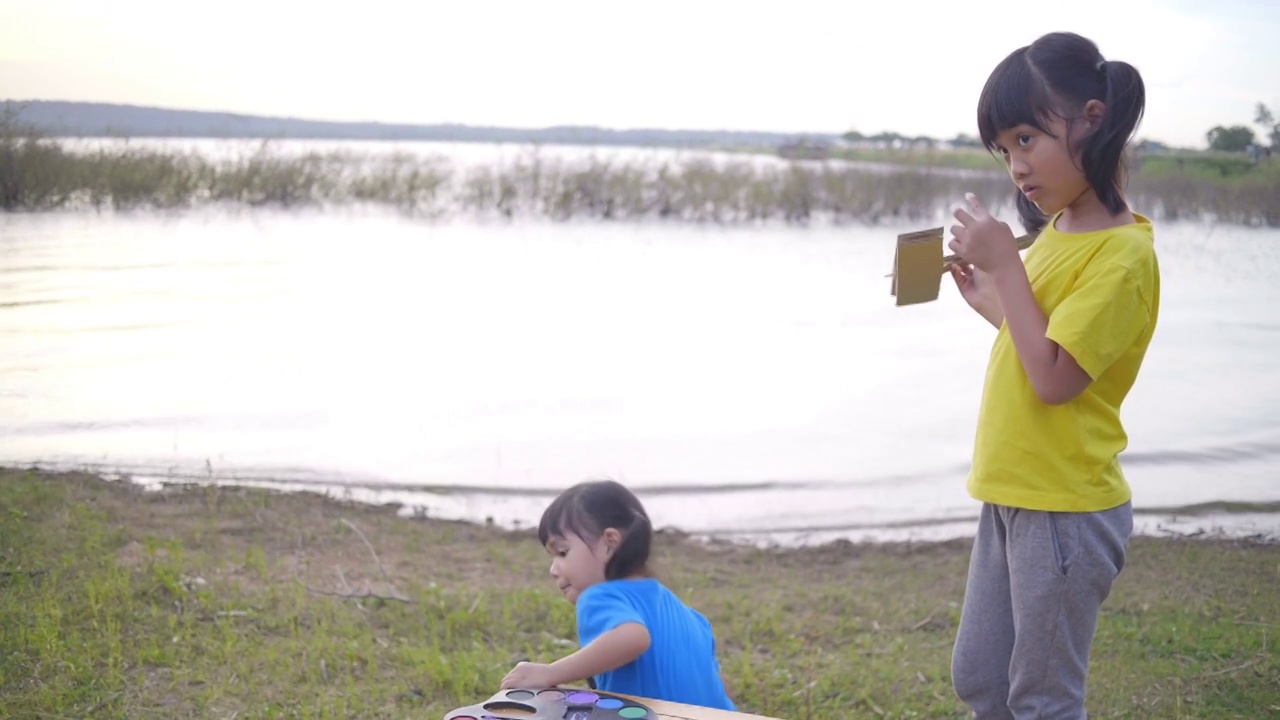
{"x": 561, "y": 553}
{"x": 1024, "y": 140}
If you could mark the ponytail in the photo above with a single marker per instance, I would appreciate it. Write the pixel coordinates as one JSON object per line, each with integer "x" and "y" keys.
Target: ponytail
{"x": 632, "y": 555}
{"x": 1103, "y": 156}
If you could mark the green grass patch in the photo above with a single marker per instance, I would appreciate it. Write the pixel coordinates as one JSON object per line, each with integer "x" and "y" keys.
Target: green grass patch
{"x": 216, "y": 602}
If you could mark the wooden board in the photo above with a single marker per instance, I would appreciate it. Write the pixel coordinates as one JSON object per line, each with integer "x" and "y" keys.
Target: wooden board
{"x": 677, "y": 711}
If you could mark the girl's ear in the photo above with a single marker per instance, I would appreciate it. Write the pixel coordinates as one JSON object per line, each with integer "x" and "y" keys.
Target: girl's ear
{"x": 611, "y": 538}
{"x": 1094, "y": 110}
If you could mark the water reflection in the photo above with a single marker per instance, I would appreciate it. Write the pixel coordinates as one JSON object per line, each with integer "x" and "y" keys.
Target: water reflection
{"x": 749, "y": 378}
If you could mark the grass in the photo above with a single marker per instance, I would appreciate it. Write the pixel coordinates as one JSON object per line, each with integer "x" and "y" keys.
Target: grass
{"x": 217, "y": 602}
{"x": 883, "y": 185}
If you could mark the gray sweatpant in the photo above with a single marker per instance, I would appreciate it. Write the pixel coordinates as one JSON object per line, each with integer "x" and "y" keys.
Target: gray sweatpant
{"x": 1036, "y": 584}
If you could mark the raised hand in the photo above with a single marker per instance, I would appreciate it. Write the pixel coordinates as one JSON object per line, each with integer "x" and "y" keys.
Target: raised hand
{"x": 983, "y": 241}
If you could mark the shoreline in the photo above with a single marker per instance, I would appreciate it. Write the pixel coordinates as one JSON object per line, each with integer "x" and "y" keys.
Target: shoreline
{"x": 1257, "y": 522}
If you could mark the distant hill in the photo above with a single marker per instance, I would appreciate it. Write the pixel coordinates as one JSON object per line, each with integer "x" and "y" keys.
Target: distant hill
{"x": 79, "y": 119}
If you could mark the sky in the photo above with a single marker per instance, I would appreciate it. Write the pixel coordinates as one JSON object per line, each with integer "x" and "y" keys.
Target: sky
{"x": 795, "y": 66}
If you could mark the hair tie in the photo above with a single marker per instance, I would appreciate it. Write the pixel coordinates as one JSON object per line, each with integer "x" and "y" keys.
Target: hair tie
{"x": 1102, "y": 65}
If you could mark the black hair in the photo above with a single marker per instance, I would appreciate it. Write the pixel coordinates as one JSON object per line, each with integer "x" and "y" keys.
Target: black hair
{"x": 1056, "y": 75}
{"x": 588, "y": 509}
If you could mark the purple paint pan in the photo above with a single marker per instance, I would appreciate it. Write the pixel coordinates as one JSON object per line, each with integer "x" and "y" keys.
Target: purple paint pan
{"x": 558, "y": 703}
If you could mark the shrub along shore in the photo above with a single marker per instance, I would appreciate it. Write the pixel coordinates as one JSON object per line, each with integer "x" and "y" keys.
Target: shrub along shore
{"x": 39, "y": 174}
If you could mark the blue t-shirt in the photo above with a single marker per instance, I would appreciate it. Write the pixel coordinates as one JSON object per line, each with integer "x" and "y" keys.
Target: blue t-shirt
{"x": 680, "y": 664}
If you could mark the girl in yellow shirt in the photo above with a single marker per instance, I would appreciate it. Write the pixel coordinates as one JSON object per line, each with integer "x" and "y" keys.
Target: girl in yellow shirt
{"x": 1074, "y": 323}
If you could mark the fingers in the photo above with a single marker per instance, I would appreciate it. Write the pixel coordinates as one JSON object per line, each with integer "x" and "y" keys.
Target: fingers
{"x": 955, "y": 246}
{"x": 513, "y": 677}
{"x": 979, "y": 210}
{"x": 965, "y": 218}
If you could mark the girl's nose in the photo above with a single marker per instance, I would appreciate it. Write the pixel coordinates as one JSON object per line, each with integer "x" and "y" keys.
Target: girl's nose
{"x": 1018, "y": 168}
{"x": 552, "y": 570}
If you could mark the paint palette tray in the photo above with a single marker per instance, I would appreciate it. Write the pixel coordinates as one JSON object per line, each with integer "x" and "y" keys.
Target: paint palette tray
{"x": 558, "y": 703}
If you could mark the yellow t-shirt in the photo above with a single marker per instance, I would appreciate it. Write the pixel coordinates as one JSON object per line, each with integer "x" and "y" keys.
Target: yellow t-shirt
{"x": 1101, "y": 293}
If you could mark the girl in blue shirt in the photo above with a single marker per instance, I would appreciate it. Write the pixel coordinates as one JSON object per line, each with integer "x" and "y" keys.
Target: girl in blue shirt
{"x": 635, "y": 636}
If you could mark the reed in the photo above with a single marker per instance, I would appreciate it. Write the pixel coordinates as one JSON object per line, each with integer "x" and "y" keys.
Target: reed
{"x": 39, "y": 174}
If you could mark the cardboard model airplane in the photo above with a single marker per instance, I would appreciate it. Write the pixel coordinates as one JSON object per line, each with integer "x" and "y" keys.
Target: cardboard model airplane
{"x": 918, "y": 265}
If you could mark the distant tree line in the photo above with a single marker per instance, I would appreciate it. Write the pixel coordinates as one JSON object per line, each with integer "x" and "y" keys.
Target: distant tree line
{"x": 889, "y": 139}
{"x": 1238, "y": 138}
{"x": 1234, "y": 138}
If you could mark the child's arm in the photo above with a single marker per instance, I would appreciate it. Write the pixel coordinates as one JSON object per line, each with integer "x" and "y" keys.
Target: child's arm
{"x": 1055, "y": 375}
{"x": 611, "y": 650}
{"x": 989, "y": 245}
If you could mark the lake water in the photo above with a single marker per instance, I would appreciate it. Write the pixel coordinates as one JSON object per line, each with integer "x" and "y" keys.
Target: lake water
{"x": 754, "y": 382}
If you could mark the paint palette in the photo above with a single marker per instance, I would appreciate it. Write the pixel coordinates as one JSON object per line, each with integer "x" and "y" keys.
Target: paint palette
{"x": 554, "y": 704}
